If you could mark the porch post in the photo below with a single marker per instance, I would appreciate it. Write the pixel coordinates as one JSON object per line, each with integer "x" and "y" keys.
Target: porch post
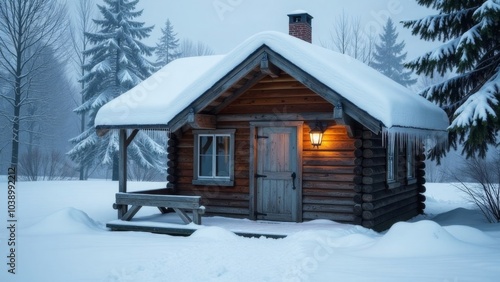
{"x": 122, "y": 170}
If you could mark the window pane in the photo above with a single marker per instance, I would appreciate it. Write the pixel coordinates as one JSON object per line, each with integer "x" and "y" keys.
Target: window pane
{"x": 222, "y": 166}
{"x": 205, "y": 168}
{"x": 222, "y": 169}
{"x": 223, "y": 145}
{"x": 206, "y": 145}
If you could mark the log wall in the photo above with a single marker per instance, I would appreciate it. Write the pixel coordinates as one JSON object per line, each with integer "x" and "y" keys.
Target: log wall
{"x": 328, "y": 175}
{"x": 381, "y": 206}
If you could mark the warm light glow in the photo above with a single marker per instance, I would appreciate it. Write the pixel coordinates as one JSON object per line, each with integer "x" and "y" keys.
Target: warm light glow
{"x": 316, "y": 135}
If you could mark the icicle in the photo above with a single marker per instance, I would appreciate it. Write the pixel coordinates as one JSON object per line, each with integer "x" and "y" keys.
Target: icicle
{"x": 416, "y": 136}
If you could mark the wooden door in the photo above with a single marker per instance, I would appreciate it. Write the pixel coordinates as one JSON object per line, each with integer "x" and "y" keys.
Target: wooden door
{"x": 277, "y": 174}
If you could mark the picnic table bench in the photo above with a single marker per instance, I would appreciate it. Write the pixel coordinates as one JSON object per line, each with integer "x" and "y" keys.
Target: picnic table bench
{"x": 155, "y": 198}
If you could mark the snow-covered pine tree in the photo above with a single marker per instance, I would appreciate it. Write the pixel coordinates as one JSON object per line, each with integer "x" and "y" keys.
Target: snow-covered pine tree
{"x": 167, "y": 49}
{"x": 117, "y": 62}
{"x": 470, "y": 32}
{"x": 388, "y": 57}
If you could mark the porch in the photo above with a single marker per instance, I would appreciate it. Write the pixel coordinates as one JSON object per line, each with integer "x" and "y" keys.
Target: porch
{"x": 171, "y": 224}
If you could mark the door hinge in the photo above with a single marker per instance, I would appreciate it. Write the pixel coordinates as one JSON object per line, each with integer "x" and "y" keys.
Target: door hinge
{"x": 259, "y": 175}
{"x": 259, "y": 213}
{"x": 261, "y": 136}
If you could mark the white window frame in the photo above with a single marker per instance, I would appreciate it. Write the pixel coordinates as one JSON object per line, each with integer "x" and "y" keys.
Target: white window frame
{"x": 213, "y": 180}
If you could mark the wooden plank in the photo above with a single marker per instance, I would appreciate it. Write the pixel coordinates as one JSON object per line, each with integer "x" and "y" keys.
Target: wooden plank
{"x": 329, "y": 208}
{"x": 122, "y": 169}
{"x": 275, "y": 116}
{"x": 182, "y": 214}
{"x": 328, "y": 169}
{"x": 180, "y": 231}
{"x": 183, "y": 202}
{"x": 131, "y": 212}
{"x": 340, "y": 217}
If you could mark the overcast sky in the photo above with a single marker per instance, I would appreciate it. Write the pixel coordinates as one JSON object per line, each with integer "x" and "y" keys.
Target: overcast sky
{"x": 223, "y": 24}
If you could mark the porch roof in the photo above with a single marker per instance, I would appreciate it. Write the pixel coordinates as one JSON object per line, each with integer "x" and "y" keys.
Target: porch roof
{"x": 156, "y": 101}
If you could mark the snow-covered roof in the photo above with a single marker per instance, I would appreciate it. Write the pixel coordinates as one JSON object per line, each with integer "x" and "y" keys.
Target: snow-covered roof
{"x": 158, "y": 99}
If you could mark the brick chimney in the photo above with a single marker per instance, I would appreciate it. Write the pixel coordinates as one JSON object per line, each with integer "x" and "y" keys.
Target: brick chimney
{"x": 300, "y": 25}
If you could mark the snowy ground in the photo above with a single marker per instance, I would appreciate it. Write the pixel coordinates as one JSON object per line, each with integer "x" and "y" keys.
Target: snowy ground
{"x": 60, "y": 236}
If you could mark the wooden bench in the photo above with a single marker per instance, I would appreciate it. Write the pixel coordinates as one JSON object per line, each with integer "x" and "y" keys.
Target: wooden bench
{"x": 176, "y": 202}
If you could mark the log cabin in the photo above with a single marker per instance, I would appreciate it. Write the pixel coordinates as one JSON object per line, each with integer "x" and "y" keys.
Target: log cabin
{"x": 280, "y": 129}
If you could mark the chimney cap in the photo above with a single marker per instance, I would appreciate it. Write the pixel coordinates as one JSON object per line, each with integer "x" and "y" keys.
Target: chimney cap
{"x": 300, "y": 16}
{"x": 298, "y": 12}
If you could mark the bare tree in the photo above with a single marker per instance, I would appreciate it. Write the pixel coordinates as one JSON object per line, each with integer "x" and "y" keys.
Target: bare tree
{"x": 81, "y": 43}
{"x": 41, "y": 165}
{"x": 347, "y": 37}
{"x": 479, "y": 179}
{"x": 27, "y": 29}
{"x": 189, "y": 48}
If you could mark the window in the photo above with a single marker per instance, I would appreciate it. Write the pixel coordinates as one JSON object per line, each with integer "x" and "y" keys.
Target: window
{"x": 213, "y": 157}
{"x": 392, "y": 163}
{"x": 410, "y": 163}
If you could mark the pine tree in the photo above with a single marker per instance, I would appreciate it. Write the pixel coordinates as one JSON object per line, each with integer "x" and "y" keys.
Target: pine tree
{"x": 167, "y": 49}
{"x": 470, "y": 32}
{"x": 116, "y": 64}
{"x": 388, "y": 57}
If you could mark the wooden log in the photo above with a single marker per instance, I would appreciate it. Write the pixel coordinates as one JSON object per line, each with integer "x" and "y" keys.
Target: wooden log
{"x": 369, "y": 171}
{"x": 358, "y": 153}
{"x": 420, "y": 165}
{"x": 369, "y": 215}
{"x": 370, "y": 135}
{"x": 172, "y": 142}
{"x": 374, "y": 153}
{"x": 385, "y": 193}
{"x": 374, "y": 162}
{"x": 390, "y": 200}
{"x": 202, "y": 121}
{"x": 421, "y": 198}
{"x": 420, "y": 173}
{"x": 358, "y": 170}
{"x": 372, "y": 143}
{"x": 421, "y": 180}
{"x": 357, "y": 209}
{"x": 421, "y": 189}
{"x": 172, "y": 149}
{"x": 358, "y": 188}
{"x": 358, "y": 179}
{"x": 172, "y": 178}
{"x": 374, "y": 187}
{"x": 327, "y": 208}
{"x": 328, "y": 169}
{"x": 377, "y": 178}
{"x": 420, "y": 157}
{"x": 172, "y": 156}
{"x": 329, "y": 193}
{"x": 358, "y": 198}
{"x": 339, "y": 217}
{"x": 331, "y": 161}
{"x": 358, "y": 143}
{"x": 327, "y": 201}
{"x": 357, "y": 220}
{"x": 403, "y": 213}
{"x": 172, "y": 163}
{"x": 327, "y": 185}
{"x": 381, "y": 226}
{"x": 171, "y": 170}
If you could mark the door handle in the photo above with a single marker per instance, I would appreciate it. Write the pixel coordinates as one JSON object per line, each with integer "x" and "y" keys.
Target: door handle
{"x": 294, "y": 175}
